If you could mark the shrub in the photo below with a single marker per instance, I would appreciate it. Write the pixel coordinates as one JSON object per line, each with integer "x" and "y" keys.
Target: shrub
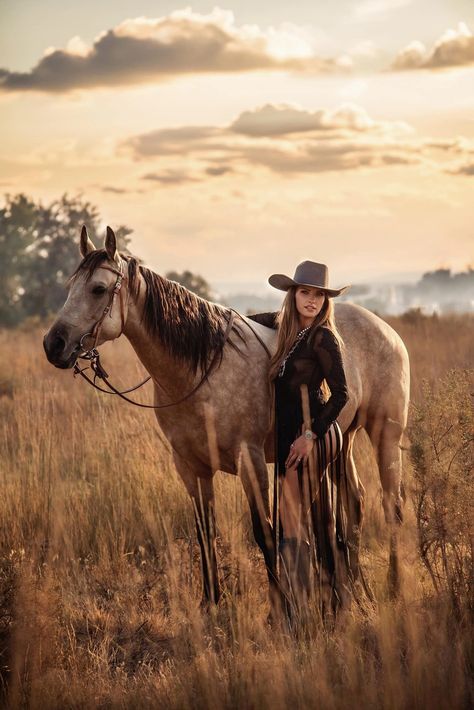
{"x": 442, "y": 436}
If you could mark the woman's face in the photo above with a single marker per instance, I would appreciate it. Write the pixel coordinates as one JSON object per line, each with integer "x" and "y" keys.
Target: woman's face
{"x": 309, "y": 302}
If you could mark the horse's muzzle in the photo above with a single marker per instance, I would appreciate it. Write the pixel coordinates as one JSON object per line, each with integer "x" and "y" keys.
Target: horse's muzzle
{"x": 57, "y": 350}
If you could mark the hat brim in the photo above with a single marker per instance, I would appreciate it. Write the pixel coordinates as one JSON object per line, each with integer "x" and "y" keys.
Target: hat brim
{"x": 283, "y": 283}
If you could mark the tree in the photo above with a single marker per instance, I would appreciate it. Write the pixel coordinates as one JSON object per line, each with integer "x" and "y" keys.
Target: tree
{"x": 17, "y": 234}
{"x": 195, "y": 283}
{"x": 38, "y": 251}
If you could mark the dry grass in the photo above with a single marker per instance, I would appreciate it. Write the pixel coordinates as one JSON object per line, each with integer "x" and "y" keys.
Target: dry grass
{"x": 100, "y": 580}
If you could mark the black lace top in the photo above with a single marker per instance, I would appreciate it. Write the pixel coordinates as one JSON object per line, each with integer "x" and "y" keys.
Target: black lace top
{"x": 317, "y": 357}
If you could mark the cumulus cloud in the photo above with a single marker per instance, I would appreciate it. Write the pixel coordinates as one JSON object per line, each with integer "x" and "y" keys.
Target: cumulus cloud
{"x": 290, "y": 140}
{"x": 454, "y": 48}
{"x": 273, "y": 120}
{"x": 144, "y": 50}
{"x": 285, "y": 139}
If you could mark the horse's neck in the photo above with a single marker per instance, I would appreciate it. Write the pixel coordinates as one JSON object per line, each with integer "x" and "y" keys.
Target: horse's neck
{"x": 170, "y": 374}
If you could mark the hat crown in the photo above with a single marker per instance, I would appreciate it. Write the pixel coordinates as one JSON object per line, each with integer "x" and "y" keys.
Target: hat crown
{"x": 310, "y": 273}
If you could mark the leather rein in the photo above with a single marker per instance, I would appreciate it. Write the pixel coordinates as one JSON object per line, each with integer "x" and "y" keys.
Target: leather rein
{"x": 93, "y": 357}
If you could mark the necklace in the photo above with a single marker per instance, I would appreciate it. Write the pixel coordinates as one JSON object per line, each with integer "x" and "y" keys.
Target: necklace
{"x": 290, "y": 352}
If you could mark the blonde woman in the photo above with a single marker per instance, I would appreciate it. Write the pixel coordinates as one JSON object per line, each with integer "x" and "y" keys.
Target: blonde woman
{"x": 308, "y": 353}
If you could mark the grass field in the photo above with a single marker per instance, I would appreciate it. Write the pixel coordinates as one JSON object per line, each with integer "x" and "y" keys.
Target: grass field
{"x": 99, "y": 567}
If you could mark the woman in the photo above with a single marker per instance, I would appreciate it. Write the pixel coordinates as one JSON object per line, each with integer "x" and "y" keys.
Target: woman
{"x": 308, "y": 439}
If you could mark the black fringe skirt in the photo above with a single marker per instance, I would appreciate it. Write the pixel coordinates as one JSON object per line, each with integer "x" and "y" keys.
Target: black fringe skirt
{"x": 324, "y": 494}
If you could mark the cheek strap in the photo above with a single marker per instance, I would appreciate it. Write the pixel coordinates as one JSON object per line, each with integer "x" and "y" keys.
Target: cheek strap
{"x": 117, "y": 290}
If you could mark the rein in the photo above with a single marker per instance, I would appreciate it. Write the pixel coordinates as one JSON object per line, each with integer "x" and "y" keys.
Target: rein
{"x": 93, "y": 357}
{"x": 99, "y": 373}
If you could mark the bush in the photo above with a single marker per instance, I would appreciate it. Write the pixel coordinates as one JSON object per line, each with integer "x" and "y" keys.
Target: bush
{"x": 442, "y": 436}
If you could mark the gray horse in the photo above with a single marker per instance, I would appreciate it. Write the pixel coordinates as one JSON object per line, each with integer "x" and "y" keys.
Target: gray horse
{"x": 226, "y": 423}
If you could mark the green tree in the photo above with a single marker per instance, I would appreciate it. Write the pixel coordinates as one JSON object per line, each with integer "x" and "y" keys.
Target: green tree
{"x": 39, "y": 250}
{"x": 195, "y": 283}
{"x": 17, "y": 234}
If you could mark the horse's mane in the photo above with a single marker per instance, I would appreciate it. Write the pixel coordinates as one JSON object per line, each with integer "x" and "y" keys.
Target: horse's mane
{"x": 191, "y": 328}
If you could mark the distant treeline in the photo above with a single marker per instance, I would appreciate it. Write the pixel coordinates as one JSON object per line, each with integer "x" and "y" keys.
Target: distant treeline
{"x": 39, "y": 251}
{"x": 460, "y": 284}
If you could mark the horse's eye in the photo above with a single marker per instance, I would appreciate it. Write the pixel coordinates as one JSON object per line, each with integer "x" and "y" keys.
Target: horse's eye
{"x": 99, "y": 290}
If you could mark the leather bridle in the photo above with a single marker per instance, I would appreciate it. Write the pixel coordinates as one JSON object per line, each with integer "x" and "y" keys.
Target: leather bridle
{"x": 116, "y": 291}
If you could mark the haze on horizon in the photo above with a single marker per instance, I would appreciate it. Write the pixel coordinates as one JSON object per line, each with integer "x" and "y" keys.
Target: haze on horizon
{"x": 237, "y": 141}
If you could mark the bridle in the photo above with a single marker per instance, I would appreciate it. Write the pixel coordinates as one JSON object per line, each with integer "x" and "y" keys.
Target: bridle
{"x": 116, "y": 291}
{"x": 92, "y": 355}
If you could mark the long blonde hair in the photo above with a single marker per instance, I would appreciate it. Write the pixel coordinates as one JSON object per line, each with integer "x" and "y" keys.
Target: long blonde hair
{"x": 288, "y": 328}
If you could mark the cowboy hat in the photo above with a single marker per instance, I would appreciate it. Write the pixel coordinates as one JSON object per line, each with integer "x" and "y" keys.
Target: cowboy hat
{"x": 308, "y": 273}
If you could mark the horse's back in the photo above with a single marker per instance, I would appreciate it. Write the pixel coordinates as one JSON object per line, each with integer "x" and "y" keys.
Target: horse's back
{"x": 376, "y": 360}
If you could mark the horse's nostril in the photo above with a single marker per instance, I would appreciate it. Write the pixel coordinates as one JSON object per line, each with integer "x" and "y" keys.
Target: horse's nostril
{"x": 54, "y": 344}
{"x": 58, "y": 344}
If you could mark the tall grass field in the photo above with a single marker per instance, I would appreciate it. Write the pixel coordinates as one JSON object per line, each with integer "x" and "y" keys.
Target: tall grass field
{"x": 100, "y": 583}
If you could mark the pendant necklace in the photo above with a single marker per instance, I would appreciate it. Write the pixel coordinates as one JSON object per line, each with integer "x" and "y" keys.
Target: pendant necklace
{"x": 298, "y": 340}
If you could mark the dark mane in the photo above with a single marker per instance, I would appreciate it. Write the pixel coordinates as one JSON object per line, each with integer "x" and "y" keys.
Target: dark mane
{"x": 190, "y": 328}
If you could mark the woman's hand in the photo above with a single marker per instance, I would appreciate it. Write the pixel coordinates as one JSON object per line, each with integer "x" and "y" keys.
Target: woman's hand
{"x": 299, "y": 451}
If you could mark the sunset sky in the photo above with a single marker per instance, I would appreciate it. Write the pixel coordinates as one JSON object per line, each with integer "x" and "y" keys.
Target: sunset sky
{"x": 238, "y": 140}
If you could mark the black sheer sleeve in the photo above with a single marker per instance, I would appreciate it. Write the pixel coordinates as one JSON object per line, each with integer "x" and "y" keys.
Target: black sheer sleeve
{"x": 268, "y": 319}
{"x": 328, "y": 352}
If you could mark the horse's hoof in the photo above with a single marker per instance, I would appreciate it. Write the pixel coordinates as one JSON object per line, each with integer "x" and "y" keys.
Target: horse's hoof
{"x": 207, "y": 605}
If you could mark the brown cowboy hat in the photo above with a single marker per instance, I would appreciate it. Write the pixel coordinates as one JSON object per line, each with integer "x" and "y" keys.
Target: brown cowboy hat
{"x": 308, "y": 273}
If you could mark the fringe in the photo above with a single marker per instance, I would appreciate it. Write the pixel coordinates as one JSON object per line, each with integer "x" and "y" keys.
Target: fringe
{"x": 324, "y": 492}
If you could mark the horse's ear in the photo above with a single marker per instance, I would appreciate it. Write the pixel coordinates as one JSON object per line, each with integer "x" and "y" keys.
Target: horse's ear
{"x": 86, "y": 246}
{"x": 111, "y": 246}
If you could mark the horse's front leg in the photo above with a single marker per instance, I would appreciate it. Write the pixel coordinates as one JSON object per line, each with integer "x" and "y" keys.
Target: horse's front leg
{"x": 201, "y": 491}
{"x": 204, "y": 513}
{"x": 253, "y": 473}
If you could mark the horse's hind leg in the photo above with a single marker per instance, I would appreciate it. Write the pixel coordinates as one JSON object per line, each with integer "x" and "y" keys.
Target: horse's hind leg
{"x": 352, "y": 493}
{"x": 201, "y": 490}
{"x": 386, "y": 439}
{"x": 254, "y": 476}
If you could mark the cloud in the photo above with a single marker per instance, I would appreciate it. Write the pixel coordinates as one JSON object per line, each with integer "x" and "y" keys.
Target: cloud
{"x": 169, "y": 141}
{"x": 467, "y": 169}
{"x": 283, "y": 138}
{"x": 289, "y": 140}
{"x": 173, "y": 177}
{"x": 274, "y": 120}
{"x": 329, "y": 157}
{"x": 170, "y": 177}
{"x": 115, "y": 190}
{"x": 145, "y": 50}
{"x": 218, "y": 170}
{"x": 455, "y": 48}
{"x": 457, "y": 146}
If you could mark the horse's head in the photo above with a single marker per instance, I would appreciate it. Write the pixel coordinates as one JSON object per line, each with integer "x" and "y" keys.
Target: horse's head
{"x": 94, "y": 310}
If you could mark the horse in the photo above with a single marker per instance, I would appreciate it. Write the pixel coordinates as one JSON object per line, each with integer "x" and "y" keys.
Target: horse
{"x": 213, "y": 398}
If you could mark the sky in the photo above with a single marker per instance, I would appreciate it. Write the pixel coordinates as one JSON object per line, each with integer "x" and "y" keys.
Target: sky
{"x": 238, "y": 140}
